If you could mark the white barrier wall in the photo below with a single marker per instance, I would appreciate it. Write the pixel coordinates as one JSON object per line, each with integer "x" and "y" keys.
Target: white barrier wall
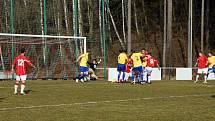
{"x": 211, "y": 76}
{"x": 113, "y": 74}
{"x": 184, "y": 74}
{"x": 5, "y": 75}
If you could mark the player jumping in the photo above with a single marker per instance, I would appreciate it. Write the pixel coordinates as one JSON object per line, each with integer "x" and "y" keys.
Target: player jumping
{"x": 202, "y": 67}
{"x": 21, "y": 62}
{"x": 83, "y": 76}
{"x": 122, "y": 58}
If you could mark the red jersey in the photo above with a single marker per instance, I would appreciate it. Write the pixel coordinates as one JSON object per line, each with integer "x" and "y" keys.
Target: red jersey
{"x": 128, "y": 67}
{"x": 151, "y": 61}
{"x": 21, "y": 62}
{"x": 202, "y": 62}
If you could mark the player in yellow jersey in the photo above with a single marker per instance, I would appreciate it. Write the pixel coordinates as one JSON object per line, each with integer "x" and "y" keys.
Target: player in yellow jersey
{"x": 137, "y": 70}
{"x": 211, "y": 64}
{"x": 122, "y": 58}
{"x": 82, "y": 59}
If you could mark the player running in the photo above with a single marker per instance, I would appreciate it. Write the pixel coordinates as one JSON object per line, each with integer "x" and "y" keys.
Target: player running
{"x": 137, "y": 71}
{"x": 202, "y": 67}
{"x": 83, "y": 58}
{"x": 21, "y": 62}
{"x": 151, "y": 62}
{"x": 211, "y": 64}
{"x": 122, "y": 58}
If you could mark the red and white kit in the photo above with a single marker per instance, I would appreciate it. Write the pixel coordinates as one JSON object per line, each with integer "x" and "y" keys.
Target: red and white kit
{"x": 21, "y": 62}
{"x": 151, "y": 62}
{"x": 202, "y": 65}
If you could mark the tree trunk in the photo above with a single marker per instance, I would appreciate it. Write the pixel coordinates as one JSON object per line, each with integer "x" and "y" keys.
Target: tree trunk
{"x": 164, "y": 39}
{"x": 6, "y": 17}
{"x": 129, "y": 27}
{"x": 90, "y": 16}
{"x": 41, "y": 17}
{"x": 207, "y": 26}
{"x": 202, "y": 25}
{"x": 123, "y": 21}
{"x": 66, "y": 16}
{"x": 190, "y": 34}
{"x": 117, "y": 33}
{"x": 169, "y": 31}
{"x": 136, "y": 23}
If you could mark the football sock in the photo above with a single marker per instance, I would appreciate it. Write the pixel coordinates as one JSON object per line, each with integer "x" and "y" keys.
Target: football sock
{"x": 197, "y": 77}
{"x": 123, "y": 75}
{"x": 149, "y": 79}
{"x": 15, "y": 88}
{"x": 132, "y": 77}
{"x": 22, "y": 87}
{"x": 142, "y": 78}
{"x": 205, "y": 77}
{"x": 119, "y": 73}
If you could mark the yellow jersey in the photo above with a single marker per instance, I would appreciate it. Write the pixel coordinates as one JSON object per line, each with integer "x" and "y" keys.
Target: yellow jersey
{"x": 211, "y": 61}
{"x": 136, "y": 59}
{"x": 122, "y": 58}
{"x": 144, "y": 62}
{"x": 84, "y": 59}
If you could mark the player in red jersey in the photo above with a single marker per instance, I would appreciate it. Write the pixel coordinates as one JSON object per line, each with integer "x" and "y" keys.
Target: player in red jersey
{"x": 151, "y": 62}
{"x": 202, "y": 62}
{"x": 21, "y": 62}
{"x": 128, "y": 69}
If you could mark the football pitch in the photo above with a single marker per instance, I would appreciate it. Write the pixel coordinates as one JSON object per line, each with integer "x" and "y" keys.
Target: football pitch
{"x": 60, "y": 100}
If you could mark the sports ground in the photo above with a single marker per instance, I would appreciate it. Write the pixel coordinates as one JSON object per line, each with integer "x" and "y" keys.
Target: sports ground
{"x": 63, "y": 100}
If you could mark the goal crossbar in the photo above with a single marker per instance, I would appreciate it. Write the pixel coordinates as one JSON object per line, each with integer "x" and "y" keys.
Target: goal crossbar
{"x": 46, "y": 36}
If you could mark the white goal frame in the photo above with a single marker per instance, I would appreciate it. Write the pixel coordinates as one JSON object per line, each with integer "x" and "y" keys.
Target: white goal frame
{"x": 47, "y": 36}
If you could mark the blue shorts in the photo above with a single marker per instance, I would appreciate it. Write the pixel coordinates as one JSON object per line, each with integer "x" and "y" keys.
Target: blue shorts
{"x": 83, "y": 69}
{"x": 211, "y": 70}
{"x": 121, "y": 67}
{"x": 137, "y": 69}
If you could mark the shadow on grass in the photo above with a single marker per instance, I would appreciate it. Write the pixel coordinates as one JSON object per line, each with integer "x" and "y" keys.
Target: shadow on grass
{"x": 213, "y": 96}
{"x": 1, "y": 99}
{"x": 28, "y": 91}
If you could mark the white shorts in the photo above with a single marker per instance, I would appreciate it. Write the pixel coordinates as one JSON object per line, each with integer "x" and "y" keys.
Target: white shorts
{"x": 21, "y": 78}
{"x": 149, "y": 70}
{"x": 202, "y": 71}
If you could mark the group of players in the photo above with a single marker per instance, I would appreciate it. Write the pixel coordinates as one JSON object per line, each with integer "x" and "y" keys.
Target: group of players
{"x": 139, "y": 64}
{"x": 206, "y": 65}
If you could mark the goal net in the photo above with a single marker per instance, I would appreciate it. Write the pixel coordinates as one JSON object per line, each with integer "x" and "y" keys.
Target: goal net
{"x": 54, "y": 56}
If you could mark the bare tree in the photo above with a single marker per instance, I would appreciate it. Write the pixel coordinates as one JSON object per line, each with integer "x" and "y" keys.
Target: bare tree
{"x": 129, "y": 27}
{"x": 114, "y": 25}
{"x": 41, "y": 17}
{"x": 202, "y": 25}
{"x": 164, "y": 37}
{"x": 123, "y": 20}
{"x": 135, "y": 15}
{"x": 90, "y": 16}
{"x": 65, "y": 16}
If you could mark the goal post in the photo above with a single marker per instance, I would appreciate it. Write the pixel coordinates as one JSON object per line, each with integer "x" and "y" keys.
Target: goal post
{"x": 54, "y": 56}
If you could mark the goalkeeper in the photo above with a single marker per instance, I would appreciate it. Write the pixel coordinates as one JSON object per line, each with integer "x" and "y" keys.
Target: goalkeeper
{"x": 92, "y": 69}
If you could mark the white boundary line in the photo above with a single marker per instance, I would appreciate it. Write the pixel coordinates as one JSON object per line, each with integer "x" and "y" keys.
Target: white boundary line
{"x": 108, "y": 101}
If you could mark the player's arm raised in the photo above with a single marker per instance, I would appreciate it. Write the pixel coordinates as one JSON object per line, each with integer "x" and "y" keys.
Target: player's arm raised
{"x": 79, "y": 58}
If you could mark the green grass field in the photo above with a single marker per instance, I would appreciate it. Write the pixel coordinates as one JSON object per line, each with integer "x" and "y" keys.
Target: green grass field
{"x": 105, "y": 101}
